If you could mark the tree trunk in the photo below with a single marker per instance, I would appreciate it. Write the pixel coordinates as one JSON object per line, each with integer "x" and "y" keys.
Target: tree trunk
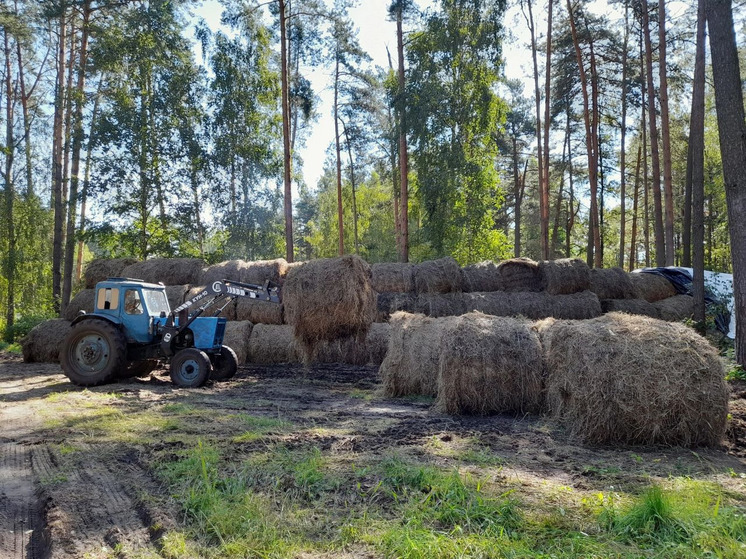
{"x": 517, "y": 197}
{"x": 288, "y": 200}
{"x": 666, "y": 134}
{"x": 548, "y": 254}
{"x": 394, "y": 170}
{"x": 87, "y": 181}
{"x": 337, "y": 150}
{"x": 732, "y": 131}
{"x": 623, "y": 146}
{"x": 635, "y": 203}
{"x": 10, "y": 261}
{"x": 403, "y": 155}
{"x": 686, "y": 226}
{"x": 58, "y": 200}
{"x": 353, "y": 187}
{"x": 571, "y": 198}
{"x": 660, "y": 241}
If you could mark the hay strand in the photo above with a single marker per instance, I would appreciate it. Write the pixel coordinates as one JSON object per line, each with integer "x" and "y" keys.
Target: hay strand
{"x": 634, "y": 380}
{"x": 270, "y": 344}
{"x": 437, "y": 305}
{"x": 258, "y": 311}
{"x": 535, "y": 305}
{"x": 237, "y": 336}
{"x": 481, "y": 277}
{"x": 437, "y": 276}
{"x": 651, "y": 287}
{"x": 392, "y": 277}
{"x": 490, "y": 365}
{"x": 520, "y": 274}
{"x": 629, "y": 306}
{"x": 169, "y": 271}
{"x": 676, "y": 308}
{"x": 612, "y": 283}
{"x": 389, "y": 303}
{"x": 43, "y": 343}
{"x": 102, "y": 269}
{"x": 565, "y": 276}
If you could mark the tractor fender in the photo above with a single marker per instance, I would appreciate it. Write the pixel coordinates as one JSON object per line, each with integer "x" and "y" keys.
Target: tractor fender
{"x": 82, "y": 317}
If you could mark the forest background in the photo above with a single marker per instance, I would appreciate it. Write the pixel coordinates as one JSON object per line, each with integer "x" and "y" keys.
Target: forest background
{"x": 131, "y": 128}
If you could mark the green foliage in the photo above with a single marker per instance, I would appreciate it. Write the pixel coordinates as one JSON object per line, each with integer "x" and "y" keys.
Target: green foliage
{"x": 23, "y": 326}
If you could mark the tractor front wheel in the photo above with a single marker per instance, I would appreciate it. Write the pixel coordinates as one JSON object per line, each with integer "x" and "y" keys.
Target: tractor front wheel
{"x": 190, "y": 368}
{"x": 93, "y": 353}
{"x": 225, "y": 364}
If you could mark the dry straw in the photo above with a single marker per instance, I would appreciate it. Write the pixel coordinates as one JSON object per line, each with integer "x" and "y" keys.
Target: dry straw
{"x": 534, "y": 305}
{"x": 328, "y": 299}
{"x": 392, "y": 277}
{"x": 248, "y": 272}
{"x": 634, "y": 380}
{"x": 652, "y": 287}
{"x": 84, "y": 300}
{"x": 175, "y": 295}
{"x": 270, "y": 344}
{"x": 629, "y": 306}
{"x": 612, "y": 283}
{"x": 490, "y": 365}
{"x": 389, "y": 303}
{"x": 673, "y": 309}
{"x": 237, "y": 336}
{"x": 481, "y": 277}
{"x": 101, "y": 269}
{"x": 411, "y": 364}
{"x": 169, "y": 271}
{"x": 520, "y": 274}
{"x": 258, "y": 311}
{"x": 44, "y": 342}
{"x": 437, "y": 276}
{"x": 437, "y": 305}
{"x": 565, "y": 276}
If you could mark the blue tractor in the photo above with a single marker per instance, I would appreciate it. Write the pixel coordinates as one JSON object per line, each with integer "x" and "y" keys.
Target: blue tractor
{"x": 132, "y": 330}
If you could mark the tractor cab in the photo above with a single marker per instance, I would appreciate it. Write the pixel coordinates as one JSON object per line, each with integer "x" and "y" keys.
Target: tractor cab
{"x": 132, "y": 304}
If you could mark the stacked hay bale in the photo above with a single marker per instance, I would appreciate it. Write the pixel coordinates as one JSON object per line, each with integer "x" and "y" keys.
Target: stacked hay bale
{"x": 676, "y": 308}
{"x": 84, "y": 300}
{"x": 44, "y": 342}
{"x": 237, "y": 336}
{"x": 619, "y": 291}
{"x": 634, "y": 380}
{"x": 101, "y": 269}
{"x": 168, "y": 271}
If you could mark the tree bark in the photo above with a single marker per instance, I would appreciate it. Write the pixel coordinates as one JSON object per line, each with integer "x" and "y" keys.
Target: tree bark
{"x": 337, "y": 149}
{"x": 623, "y": 146}
{"x": 353, "y": 187}
{"x": 686, "y": 226}
{"x": 732, "y": 131}
{"x": 517, "y": 197}
{"x": 660, "y": 241}
{"x": 548, "y": 254}
{"x": 10, "y": 261}
{"x": 403, "y": 154}
{"x": 58, "y": 200}
{"x": 666, "y": 134}
{"x": 86, "y": 182}
{"x": 635, "y": 203}
{"x": 288, "y": 199}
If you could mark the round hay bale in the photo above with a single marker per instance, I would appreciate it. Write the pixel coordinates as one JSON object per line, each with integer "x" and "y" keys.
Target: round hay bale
{"x": 612, "y": 283}
{"x": 481, "y": 277}
{"x": 651, "y": 287}
{"x": 565, "y": 276}
{"x": 392, "y": 277}
{"x": 263, "y": 270}
{"x": 535, "y": 305}
{"x": 228, "y": 312}
{"x": 371, "y": 351}
{"x": 490, "y": 365}
{"x": 634, "y": 380}
{"x": 102, "y": 269}
{"x": 411, "y": 364}
{"x": 237, "y": 335}
{"x": 437, "y": 276}
{"x": 169, "y": 271}
{"x": 290, "y": 265}
{"x": 84, "y": 300}
{"x": 43, "y": 343}
{"x": 328, "y": 299}
{"x": 520, "y": 274}
{"x": 258, "y": 311}
{"x": 176, "y": 295}
{"x": 230, "y": 270}
{"x": 377, "y": 342}
{"x": 389, "y": 303}
{"x": 272, "y": 343}
{"x": 437, "y": 305}
{"x": 629, "y": 306}
{"x": 676, "y": 308}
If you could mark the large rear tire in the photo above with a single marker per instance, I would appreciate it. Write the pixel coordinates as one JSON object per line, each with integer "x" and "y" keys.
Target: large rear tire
{"x": 224, "y": 364}
{"x": 190, "y": 368}
{"x": 93, "y": 353}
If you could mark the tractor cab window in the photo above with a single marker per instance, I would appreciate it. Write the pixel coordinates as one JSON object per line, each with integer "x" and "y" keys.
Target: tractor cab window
{"x": 156, "y": 302}
{"x": 132, "y": 302}
{"x": 108, "y": 299}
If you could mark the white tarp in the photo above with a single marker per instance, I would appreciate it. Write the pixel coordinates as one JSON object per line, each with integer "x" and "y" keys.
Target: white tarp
{"x": 721, "y": 286}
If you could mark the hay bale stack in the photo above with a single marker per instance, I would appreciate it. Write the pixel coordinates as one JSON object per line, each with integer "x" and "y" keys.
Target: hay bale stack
{"x": 535, "y": 305}
{"x": 270, "y": 344}
{"x": 676, "y": 308}
{"x": 565, "y": 276}
{"x": 44, "y": 342}
{"x": 438, "y": 305}
{"x": 377, "y": 341}
{"x": 230, "y": 270}
{"x": 411, "y": 364}
{"x": 520, "y": 274}
{"x": 169, "y": 271}
{"x": 392, "y": 277}
{"x": 101, "y": 269}
{"x": 634, "y": 380}
{"x": 490, "y": 365}
{"x": 84, "y": 300}
{"x": 237, "y": 336}
{"x": 229, "y": 312}
{"x": 329, "y": 299}
{"x": 437, "y": 276}
{"x": 389, "y": 303}
{"x": 652, "y": 287}
{"x": 176, "y": 295}
{"x": 612, "y": 283}
{"x": 258, "y": 311}
{"x": 262, "y": 270}
{"x": 629, "y": 306}
{"x": 481, "y": 277}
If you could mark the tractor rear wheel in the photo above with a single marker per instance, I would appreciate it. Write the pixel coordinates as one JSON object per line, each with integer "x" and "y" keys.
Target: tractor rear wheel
{"x": 224, "y": 364}
{"x": 94, "y": 352}
{"x": 190, "y": 368}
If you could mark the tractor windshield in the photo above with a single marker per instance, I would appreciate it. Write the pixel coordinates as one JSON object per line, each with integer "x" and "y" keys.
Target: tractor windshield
{"x": 156, "y": 302}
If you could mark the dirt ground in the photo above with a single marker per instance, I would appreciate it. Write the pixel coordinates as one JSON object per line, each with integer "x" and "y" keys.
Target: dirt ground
{"x": 67, "y": 491}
